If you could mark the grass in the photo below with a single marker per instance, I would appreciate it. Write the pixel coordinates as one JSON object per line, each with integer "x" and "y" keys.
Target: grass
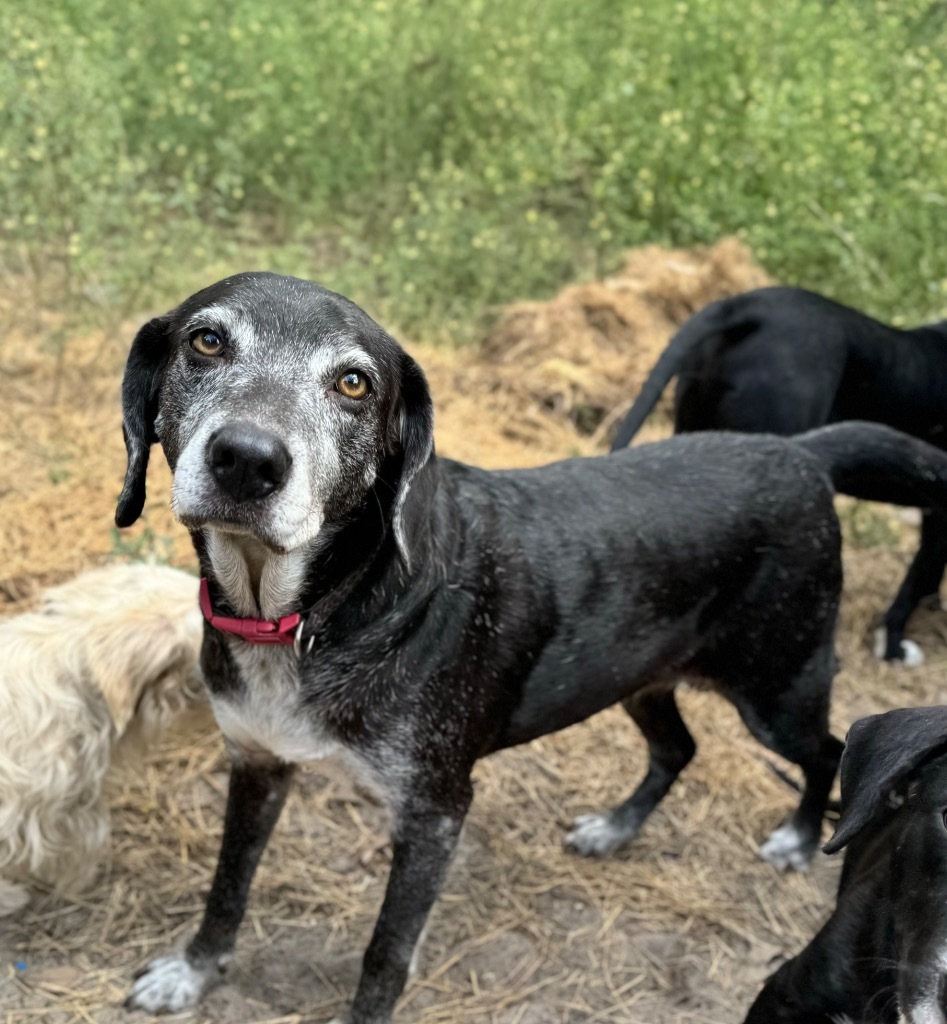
{"x": 435, "y": 160}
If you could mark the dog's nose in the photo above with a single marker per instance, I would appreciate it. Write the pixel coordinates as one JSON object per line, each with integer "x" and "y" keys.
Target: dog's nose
{"x": 247, "y": 461}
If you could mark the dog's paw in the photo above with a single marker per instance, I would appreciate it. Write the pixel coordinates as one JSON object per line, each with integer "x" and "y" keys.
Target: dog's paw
{"x": 787, "y": 848}
{"x": 171, "y": 984}
{"x": 595, "y": 835}
{"x": 911, "y": 656}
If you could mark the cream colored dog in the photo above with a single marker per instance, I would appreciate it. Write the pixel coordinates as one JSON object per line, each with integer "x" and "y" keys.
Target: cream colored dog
{"x": 111, "y": 655}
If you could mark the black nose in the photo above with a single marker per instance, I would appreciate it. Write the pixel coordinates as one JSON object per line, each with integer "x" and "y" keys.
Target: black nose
{"x": 247, "y": 461}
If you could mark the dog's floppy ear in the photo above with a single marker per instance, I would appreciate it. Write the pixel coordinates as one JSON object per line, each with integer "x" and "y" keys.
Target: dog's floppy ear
{"x": 411, "y": 432}
{"x": 881, "y": 753}
{"x": 140, "y": 387}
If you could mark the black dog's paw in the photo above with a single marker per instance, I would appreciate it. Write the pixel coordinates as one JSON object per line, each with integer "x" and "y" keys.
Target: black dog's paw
{"x": 906, "y": 652}
{"x": 789, "y": 848}
{"x": 595, "y": 835}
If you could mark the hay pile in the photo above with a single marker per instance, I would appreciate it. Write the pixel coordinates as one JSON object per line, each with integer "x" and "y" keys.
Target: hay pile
{"x": 678, "y": 930}
{"x": 585, "y": 354}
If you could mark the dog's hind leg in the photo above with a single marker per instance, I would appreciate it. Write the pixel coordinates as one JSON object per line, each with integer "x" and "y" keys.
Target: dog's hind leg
{"x": 793, "y": 722}
{"x": 922, "y": 580}
{"x": 670, "y": 749}
{"x": 13, "y": 897}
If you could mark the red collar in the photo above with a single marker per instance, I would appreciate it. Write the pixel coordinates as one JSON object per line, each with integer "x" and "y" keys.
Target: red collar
{"x": 254, "y": 631}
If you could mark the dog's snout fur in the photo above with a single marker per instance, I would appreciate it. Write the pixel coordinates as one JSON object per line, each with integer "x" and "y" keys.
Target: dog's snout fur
{"x": 247, "y": 461}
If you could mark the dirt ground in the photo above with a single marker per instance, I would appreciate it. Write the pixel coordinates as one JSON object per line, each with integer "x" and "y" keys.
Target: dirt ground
{"x": 680, "y": 928}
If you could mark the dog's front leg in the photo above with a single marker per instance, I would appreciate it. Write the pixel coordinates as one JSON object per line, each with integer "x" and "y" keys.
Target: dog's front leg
{"x": 175, "y": 982}
{"x": 424, "y": 841}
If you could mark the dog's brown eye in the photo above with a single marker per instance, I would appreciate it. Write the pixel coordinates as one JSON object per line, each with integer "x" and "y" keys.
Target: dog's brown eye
{"x": 207, "y": 343}
{"x": 352, "y": 384}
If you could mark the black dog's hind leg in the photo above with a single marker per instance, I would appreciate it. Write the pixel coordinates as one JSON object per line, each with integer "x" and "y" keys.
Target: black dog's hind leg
{"x": 424, "y": 840}
{"x": 173, "y": 983}
{"x": 793, "y": 721}
{"x": 670, "y": 748}
{"x": 923, "y": 580}
{"x": 793, "y": 844}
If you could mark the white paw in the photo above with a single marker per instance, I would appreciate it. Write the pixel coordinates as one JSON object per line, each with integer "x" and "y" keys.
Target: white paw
{"x": 594, "y": 835}
{"x": 786, "y": 848}
{"x": 911, "y": 654}
{"x": 171, "y": 984}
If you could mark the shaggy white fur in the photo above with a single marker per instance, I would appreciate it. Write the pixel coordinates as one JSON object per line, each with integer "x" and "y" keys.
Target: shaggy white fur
{"x": 109, "y": 658}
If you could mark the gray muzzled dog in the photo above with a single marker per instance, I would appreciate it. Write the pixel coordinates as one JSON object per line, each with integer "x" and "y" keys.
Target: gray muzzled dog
{"x": 412, "y": 614}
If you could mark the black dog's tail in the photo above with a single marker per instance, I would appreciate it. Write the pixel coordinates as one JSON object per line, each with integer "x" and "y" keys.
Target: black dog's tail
{"x": 709, "y": 323}
{"x": 877, "y": 463}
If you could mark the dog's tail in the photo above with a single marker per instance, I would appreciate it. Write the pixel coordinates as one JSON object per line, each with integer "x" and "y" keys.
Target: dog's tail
{"x": 877, "y": 463}
{"x": 724, "y": 318}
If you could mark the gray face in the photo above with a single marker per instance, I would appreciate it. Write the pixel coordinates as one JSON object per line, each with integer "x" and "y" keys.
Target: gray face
{"x": 277, "y": 405}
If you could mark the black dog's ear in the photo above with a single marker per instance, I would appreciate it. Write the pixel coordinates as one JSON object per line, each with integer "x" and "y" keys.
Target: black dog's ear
{"x": 141, "y": 385}
{"x": 881, "y": 753}
{"x": 411, "y": 431}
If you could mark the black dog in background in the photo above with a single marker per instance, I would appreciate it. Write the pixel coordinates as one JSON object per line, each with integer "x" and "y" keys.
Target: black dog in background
{"x": 784, "y": 360}
{"x": 880, "y": 958}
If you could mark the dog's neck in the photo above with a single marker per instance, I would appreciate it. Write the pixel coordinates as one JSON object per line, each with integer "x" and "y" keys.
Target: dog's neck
{"x": 258, "y": 582}
{"x": 255, "y": 580}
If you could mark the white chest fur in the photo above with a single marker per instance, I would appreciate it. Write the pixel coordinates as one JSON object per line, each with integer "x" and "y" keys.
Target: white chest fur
{"x": 267, "y": 719}
{"x": 266, "y": 716}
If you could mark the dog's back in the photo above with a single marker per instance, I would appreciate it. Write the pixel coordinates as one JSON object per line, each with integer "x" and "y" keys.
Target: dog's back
{"x": 683, "y": 570}
{"x": 783, "y": 360}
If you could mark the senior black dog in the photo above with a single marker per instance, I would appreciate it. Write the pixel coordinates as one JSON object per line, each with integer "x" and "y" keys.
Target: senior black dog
{"x": 882, "y": 956}
{"x": 784, "y": 360}
{"x": 412, "y": 614}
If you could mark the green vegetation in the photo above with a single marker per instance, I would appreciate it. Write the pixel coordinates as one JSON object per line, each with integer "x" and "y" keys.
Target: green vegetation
{"x": 434, "y": 159}
{"x": 144, "y": 545}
